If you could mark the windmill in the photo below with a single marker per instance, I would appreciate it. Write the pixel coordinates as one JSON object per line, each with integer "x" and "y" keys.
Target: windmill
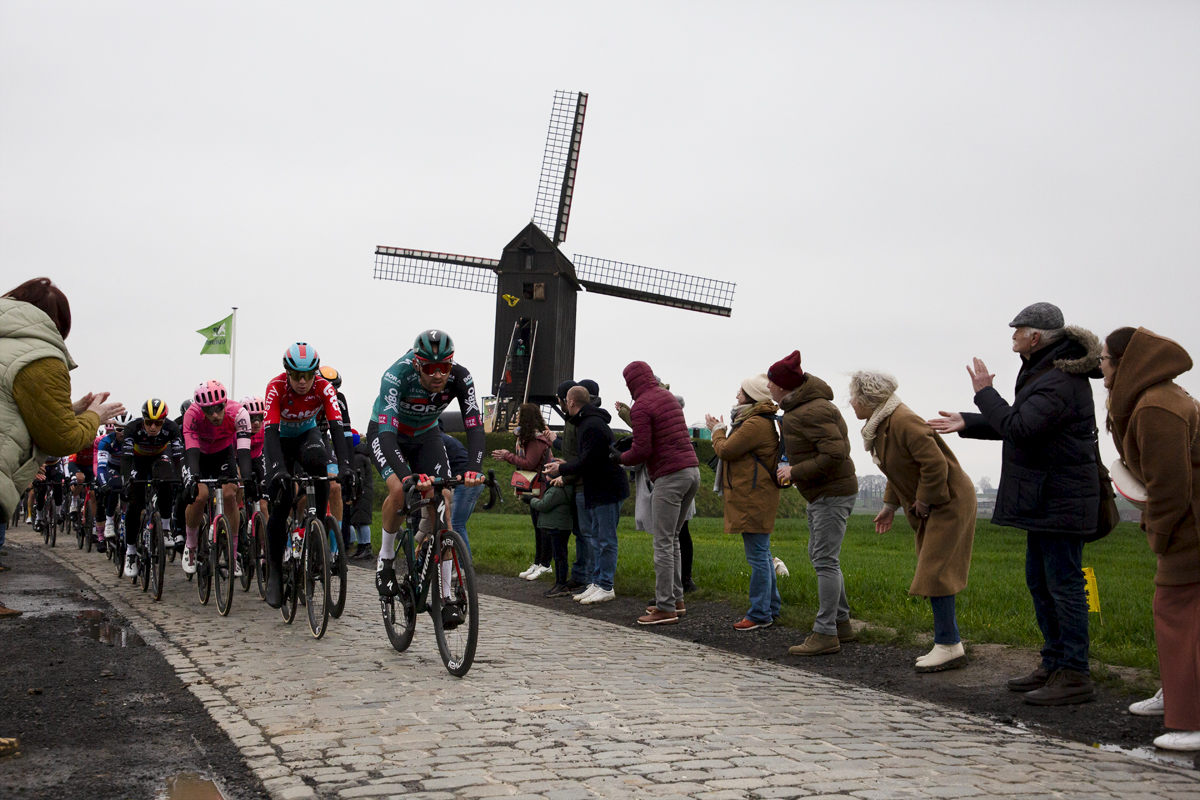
{"x": 536, "y": 285}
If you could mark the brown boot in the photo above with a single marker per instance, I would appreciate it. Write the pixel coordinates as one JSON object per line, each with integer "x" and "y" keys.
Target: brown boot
{"x": 817, "y": 644}
{"x": 846, "y": 632}
{"x": 1034, "y": 680}
{"x": 9, "y": 612}
{"x": 1065, "y": 687}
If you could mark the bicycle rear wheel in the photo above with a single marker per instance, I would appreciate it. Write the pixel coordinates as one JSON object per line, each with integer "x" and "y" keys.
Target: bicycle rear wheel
{"x": 223, "y": 555}
{"x": 158, "y": 556}
{"x": 245, "y": 553}
{"x": 47, "y": 509}
{"x": 453, "y": 602}
{"x": 204, "y": 566}
{"x": 118, "y": 549}
{"x": 78, "y": 527}
{"x": 258, "y": 548}
{"x": 52, "y": 523}
{"x": 146, "y": 540}
{"x": 290, "y": 581}
{"x": 315, "y": 566}
{"x": 337, "y": 568}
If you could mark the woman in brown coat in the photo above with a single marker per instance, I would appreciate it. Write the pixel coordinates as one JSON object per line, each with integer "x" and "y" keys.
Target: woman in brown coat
{"x": 749, "y": 455}
{"x": 1156, "y": 427}
{"x": 938, "y": 499}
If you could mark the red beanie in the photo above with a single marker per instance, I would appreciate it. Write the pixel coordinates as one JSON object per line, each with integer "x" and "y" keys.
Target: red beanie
{"x": 786, "y": 373}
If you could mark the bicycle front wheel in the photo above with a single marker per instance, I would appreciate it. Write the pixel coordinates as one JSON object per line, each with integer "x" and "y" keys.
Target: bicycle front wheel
{"x": 245, "y": 553}
{"x": 223, "y": 555}
{"x": 146, "y": 532}
{"x": 453, "y": 602}
{"x": 204, "y": 566}
{"x": 337, "y": 568}
{"x": 261, "y": 555}
{"x": 400, "y": 612}
{"x": 158, "y": 556}
{"x": 315, "y": 566}
{"x": 79, "y": 528}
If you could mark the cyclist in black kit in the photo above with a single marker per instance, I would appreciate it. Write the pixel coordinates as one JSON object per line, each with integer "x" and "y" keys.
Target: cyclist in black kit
{"x": 150, "y": 440}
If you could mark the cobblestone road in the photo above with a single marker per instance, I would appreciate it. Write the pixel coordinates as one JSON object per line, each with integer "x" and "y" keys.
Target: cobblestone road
{"x": 563, "y": 708}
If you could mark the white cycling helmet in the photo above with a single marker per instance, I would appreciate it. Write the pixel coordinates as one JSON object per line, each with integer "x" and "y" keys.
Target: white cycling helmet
{"x": 121, "y": 420}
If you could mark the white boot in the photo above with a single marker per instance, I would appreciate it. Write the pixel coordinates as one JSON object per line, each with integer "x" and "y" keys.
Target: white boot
{"x": 942, "y": 657}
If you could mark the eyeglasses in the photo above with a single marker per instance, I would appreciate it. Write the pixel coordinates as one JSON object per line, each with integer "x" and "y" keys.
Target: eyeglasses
{"x": 433, "y": 370}
{"x": 1113, "y": 359}
{"x": 301, "y": 376}
{"x": 213, "y": 410}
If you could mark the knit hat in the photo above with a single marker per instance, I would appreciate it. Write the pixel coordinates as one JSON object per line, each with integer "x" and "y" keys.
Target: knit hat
{"x": 563, "y": 388}
{"x": 592, "y": 387}
{"x": 786, "y": 373}
{"x": 756, "y": 388}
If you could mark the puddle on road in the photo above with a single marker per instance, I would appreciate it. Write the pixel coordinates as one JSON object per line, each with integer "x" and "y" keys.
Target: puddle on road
{"x": 95, "y": 626}
{"x": 189, "y": 786}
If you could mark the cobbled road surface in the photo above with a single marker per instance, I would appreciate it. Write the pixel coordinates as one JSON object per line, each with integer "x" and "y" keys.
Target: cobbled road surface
{"x": 566, "y": 708}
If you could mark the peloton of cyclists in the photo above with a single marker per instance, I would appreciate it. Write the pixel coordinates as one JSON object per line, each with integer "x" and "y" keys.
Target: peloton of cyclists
{"x": 404, "y": 436}
{"x": 256, "y": 481}
{"x": 216, "y": 441}
{"x": 149, "y": 440}
{"x": 108, "y": 478}
{"x": 293, "y": 400}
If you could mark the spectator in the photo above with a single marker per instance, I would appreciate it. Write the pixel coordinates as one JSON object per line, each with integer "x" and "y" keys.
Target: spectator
{"x": 1155, "y": 425}
{"x": 37, "y": 418}
{"x": 532, "y": 453}
{"x": 554, "y": 519}
{"x": 1049, "y": 486}
{"x": 938, "y": 499}
{"x": 819, "y": 465}
{"x": 363, "y": 510}
{"x": 749, "y": 457}
{"x": 604, "y": 487}
{"x": 465, "y": 497}
{"x": 581, "y": 519}
{"x": 661, "y": 441}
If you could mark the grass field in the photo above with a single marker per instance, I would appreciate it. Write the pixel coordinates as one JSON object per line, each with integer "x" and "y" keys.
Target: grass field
{"x": 994, "y": 608}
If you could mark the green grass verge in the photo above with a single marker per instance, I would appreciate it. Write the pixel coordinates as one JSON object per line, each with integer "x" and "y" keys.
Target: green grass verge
{"x": 995, "y": 607}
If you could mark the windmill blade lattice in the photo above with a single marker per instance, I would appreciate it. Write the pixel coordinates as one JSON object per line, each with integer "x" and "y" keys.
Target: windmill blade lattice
{"x": 436, "y": 269}
{"x": 657, "y": 286}
{"x": 556, "y": 184}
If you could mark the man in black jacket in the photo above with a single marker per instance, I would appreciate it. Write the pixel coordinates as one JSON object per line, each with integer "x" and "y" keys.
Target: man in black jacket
{"x": 604, "y": 486}
{"x": 1048, "y": 485}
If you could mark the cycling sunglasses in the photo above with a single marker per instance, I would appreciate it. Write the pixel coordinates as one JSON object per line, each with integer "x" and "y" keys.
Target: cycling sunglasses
{"x": 432, "y": 369}
{"x": 301, "y": 376}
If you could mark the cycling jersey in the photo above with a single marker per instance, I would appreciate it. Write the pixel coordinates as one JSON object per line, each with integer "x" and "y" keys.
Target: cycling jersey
{"x": 295, "y": 414}
{"x": 108, "y": 458}
{"x": 139, "y": 443}
{"x": 86, "y": 457}
{"x": 199, "y": 433}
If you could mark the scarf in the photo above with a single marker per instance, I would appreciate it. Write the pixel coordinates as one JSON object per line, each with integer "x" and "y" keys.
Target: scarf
{"x": 877, "y": 417}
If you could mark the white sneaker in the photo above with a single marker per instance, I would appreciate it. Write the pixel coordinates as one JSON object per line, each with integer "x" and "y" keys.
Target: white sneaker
{"x": 1149, "y": 708}
{"x": 110, "y": 530}
{"x": 598, "y": 596}
{"x": 942, "y": 657}
{"x": 579, "y": 597}
{"x": 1179, "y": 740}
{"x": 528, "y": 572}
{"x": 189, "y": 560}
{"x": 538, "y": 571}
{"x": 781, "y": 569}
{"x": 131, "y": 565}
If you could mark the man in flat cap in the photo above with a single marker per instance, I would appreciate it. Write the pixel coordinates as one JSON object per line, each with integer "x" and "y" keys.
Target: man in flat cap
{"x": 1048, "y": 485}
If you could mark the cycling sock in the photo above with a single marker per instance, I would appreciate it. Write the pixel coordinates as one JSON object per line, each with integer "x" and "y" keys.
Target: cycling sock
{"x": 193, "y": 536}
{"x": 166, "y": 525}
{"x": 130, "y": 549}
{"x": 446, "y": 575}
{"x": 387, "y": 546}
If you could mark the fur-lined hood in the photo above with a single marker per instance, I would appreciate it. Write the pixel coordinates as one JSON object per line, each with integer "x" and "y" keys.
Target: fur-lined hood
{"x": 1078, "y": 353}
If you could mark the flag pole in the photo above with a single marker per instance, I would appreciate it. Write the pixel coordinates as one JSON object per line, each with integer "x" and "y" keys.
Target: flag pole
{"x": 233, "y": 355}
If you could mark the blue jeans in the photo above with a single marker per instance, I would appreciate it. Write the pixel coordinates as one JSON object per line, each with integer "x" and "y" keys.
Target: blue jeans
{"x": 3, "y": 530}
{"x": 945, "y": 625}
{"x": 604, "y": 536}
{"x": 1054, "y": 575}
{"x": 585, "y": 564}
{"x": 764, "y": 595}
{"x": 460, "y": 511}
{"x": 362, "y": 534}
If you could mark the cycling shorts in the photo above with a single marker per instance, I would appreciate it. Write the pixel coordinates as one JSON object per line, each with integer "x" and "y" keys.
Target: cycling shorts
{"x": 86, "y": 470}
{"x": 221, "y": 465}
{"x": 425, "y": 455}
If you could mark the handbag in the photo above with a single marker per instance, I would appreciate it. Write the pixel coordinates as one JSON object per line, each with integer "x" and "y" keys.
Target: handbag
{"x": 1127, "y": 485}
{"x": 1109, "y": 515}
{"x": 526, "y": 481}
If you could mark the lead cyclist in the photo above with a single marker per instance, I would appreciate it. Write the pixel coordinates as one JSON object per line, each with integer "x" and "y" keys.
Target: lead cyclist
{"x": 404, "y": 436}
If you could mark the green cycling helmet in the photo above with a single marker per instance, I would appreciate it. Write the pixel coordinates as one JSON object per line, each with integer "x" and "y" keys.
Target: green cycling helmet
{"x": 433, "y": 346}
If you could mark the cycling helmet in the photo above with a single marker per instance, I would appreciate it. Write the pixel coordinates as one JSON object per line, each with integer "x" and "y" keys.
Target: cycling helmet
{"x": 121, "y": 420}
{"x": 301, "y": 357}
{"x": 333, "y": 376}
{"x": 184, "y": 406}
{"x": 253, "y": 405}
{"x": 433, "y": 346}
{"x": 109, "y": 427}
{"x": 210, "y": 393}
{"x": 154, "y": 410}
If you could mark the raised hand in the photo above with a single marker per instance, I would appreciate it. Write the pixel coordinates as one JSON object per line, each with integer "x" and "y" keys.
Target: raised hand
{"x": 980, "y": 377}
{"x": 950, "y": 422}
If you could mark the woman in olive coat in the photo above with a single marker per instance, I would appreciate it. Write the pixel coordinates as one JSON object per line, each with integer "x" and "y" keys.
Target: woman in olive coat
{"x": 925, "y": 479}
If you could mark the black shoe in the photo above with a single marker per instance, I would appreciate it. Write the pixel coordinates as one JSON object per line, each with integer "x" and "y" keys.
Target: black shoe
{"x": 452, "y": 617}
{"x": 1065, "y": 687}
{"x": 385, "y": 580}
{"x": 574, "y": 586}
{"x": 274, "y": 590}
{"x": 689, "y": 586}
{"x": 557, "y": 590}
{"x": 1034, "y": 680}
{"x": 358, "y": 548}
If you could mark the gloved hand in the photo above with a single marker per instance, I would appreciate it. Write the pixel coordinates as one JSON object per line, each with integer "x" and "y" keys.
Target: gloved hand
{"x": 252, "y": 489}
{"x": 614, "y": 454}
{"x": 349, "y": 481}
{"x": 191, "y": 490}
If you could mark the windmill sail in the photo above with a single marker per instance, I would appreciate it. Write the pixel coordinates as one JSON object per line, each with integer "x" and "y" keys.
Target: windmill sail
{"x": 656, "y": 286}
{"x": 436, "y": 269}
{"x": 556, "y": 185}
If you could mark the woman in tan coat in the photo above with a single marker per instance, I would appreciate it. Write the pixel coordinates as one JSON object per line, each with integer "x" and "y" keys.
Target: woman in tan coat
{"x": 938, "y": 499}
{"x": 749, "y": 455}
{"x": 1155, "y": 425}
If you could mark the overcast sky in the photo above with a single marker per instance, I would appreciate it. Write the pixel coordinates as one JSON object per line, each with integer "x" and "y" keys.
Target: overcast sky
{"x": 888, "y": 183}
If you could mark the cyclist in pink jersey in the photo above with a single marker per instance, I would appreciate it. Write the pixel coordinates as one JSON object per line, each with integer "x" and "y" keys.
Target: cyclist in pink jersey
{"x": 256, "y": 480}
{"x": 216, "y": 441}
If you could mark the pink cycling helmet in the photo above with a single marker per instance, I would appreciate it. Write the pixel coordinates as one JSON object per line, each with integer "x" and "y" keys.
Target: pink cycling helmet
{"x": 210, "y": 393}
{"x": 253, "y": 405}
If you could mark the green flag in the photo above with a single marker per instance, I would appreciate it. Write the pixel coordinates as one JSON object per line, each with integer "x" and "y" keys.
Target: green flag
{"x": 218, "y": 337}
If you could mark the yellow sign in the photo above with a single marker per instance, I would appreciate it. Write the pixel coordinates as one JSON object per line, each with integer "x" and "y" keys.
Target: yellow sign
{"x": 1093, "y": 591}
{"x": 512, "y": 301}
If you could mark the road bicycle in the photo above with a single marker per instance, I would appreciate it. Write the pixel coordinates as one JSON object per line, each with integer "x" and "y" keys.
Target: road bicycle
{"x": 435, "y": 575}
{"x": 48, "y": 515}
{"x": 80, "y": 518}
{"x": 151, "y": 541}
{"x": 215, "y": 550}
{"x": 305, "y": 564}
